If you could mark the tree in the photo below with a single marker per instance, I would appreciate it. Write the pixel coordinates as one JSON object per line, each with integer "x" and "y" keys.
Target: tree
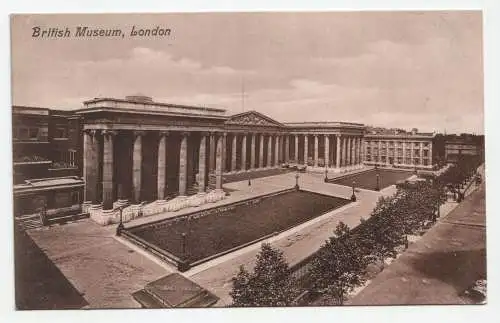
{"x": 338, "y": 265}
{"x": 269, "y": 284}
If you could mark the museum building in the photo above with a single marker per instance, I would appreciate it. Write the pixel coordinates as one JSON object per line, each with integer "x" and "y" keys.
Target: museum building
{"x": 142, "y": 157}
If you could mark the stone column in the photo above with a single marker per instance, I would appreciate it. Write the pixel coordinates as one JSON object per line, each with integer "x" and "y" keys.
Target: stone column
{"x": 353, "y": 151}
{"x": 297, "y": 149}
{"x": 344, "y": 151}
{"x": 360, "y": 150}
{"x": 270, "y": 150}
{"x": 261, "y": 151}
{"x": 379, "y": 149}
{"x": 201, "y": 163}
{"x": 348, "y": 147}
{"x": 218, "y": 164}
{"x": 411, "y": 153}
{"x": 162, "y": 165}
{"x": 287, "y": 149}
{"x": 183, "y": 164}
{"x": 252, "y": 152}
{"x": 363, "y": 150}
{"x": 224, "y": 152}
{"x": 90, "y": 165}
{"x": 316, "y": 150}
{"x": 306, "y": 148}
{"x": 337, "y": 157}
{"x": 136, "y": 165}
{"x": 404, "y": 152}
{"x": 233, "y": 152}
{"x": 107, "y": 170}
{"x": 277, "y": 150}
{"x": 212, "y": 153}
{"x": 430, "y": 154}
{"x": 244, "y": 152}
{"x": 422, "y": 153}
{"x": 327, "y": 151}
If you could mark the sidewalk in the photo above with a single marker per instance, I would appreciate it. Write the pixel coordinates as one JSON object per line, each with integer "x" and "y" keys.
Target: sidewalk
{"x": 440, "y": 266}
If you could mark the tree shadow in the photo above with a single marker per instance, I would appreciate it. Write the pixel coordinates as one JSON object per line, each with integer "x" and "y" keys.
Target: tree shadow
{"x": 39, "y": 284}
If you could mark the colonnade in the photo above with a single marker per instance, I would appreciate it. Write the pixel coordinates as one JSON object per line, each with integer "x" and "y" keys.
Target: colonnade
{"x": 101, "y": 169}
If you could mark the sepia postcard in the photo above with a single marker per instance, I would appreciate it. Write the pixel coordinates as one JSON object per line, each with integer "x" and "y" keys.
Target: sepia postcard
{"x": 248, "y": 159}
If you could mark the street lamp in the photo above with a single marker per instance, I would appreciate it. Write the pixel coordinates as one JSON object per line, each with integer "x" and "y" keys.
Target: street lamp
{"x": 377, "y": 188}
{"x": 297, "y": 180}
{"x": 353, "y": 196}
{"x": 183, "y": 244}
{"x": 249, "y": 181}
{"x": 326, "y": 174}
{"x": 120, "y": 226}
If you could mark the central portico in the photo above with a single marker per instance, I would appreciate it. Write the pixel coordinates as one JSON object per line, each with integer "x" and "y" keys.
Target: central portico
{"x": 146, "y": 157}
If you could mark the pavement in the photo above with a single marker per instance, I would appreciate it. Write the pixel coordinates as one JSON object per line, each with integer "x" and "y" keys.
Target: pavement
{"x": 106, "y": 270}
{"x": 441, "y": 265}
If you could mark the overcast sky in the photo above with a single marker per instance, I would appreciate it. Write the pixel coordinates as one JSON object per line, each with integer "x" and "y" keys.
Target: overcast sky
{"x": 394, "y": 69}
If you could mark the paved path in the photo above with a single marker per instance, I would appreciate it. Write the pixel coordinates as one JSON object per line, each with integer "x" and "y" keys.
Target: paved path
{"x": 106, "y": 271}
{"x": 437, "y": 268}
{"x": 102, "y": 269}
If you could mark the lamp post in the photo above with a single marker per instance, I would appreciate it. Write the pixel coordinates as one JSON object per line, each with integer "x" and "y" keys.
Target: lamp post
{"x": 249, "y": 181}
{"x": 183, "y": 245}
{"x": 297, "y": 181}
{"x": 120, "y": 226}
{"x": 377, "y": 188}
{"x": 353, "y": 196}
{"x": 326, "y": 174}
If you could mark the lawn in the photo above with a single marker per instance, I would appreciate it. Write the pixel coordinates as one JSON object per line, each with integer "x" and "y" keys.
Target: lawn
{"x": 368, "y": 180}
{"x": 224, "y": 228}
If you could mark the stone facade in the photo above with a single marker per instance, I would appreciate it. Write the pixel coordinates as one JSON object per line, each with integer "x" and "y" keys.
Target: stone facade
{"x": 142, "y": 157}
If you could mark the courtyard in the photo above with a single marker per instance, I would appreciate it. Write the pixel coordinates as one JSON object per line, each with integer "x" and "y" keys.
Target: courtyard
{"x": 106, "y": 270}
{"x": 222, "y": 229}
{"x": 368, "y": 179}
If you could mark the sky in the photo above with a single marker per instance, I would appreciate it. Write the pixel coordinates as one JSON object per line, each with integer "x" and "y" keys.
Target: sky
{"x": 392, "y": 69}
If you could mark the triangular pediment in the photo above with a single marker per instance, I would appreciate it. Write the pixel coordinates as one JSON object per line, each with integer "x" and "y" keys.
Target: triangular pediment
{"x": 253, "y": 118}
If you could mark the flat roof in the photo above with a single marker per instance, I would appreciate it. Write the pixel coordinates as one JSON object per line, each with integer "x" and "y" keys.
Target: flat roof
{"x": 147, "y": 103}
{"x": 323, "y": 124}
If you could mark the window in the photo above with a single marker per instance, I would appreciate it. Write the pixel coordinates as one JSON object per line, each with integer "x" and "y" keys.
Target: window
{"x": 23, "y": 133}
{"x": 33, "y": 133}
{"x": 72, "y": 157}
{"x": 61, "y": 133}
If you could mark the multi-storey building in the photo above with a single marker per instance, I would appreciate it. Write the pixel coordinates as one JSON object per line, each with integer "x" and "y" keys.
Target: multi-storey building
{"x": 142, "y": 156}
{"x": 398, "y": 148}
{"x": 463, "y": 145}
{"x": 46, "y": 152}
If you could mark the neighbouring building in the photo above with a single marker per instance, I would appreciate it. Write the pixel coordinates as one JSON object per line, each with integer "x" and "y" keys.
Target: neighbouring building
{"x": 399, "y": 148}
{"x": 139, "y": 157}
{"x": 465, "y": 145}
{"x": 46, "y": 154}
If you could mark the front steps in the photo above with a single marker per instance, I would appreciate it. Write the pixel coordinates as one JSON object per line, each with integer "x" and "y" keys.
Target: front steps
{"x": 106, "y": 217}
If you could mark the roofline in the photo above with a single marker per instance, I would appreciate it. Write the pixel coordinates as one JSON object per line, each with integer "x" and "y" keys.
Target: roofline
{"x": 96, "y": 100}
{"x": 138, "y": 111}
{"x": 405, "y": 136}
{"x": 326, "y": 124}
